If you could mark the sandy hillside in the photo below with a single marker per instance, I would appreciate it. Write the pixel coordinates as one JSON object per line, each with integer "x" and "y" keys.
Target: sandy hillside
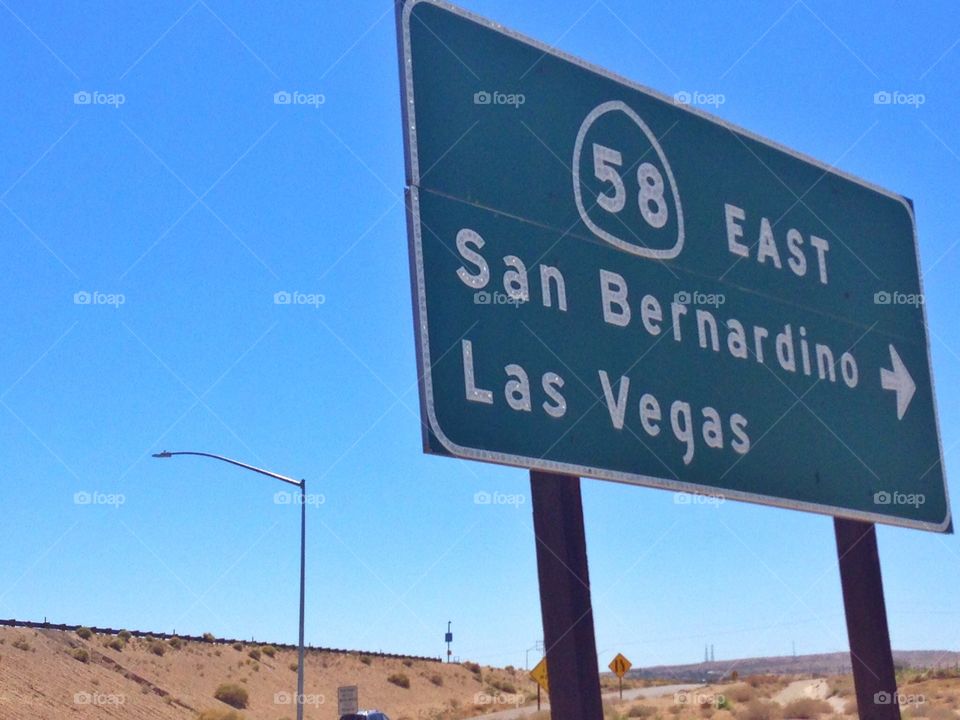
{"x": 44, "y": 675}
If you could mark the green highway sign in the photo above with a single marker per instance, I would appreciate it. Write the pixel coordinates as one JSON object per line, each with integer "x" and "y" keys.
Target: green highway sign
{"x": 609, "y": 283}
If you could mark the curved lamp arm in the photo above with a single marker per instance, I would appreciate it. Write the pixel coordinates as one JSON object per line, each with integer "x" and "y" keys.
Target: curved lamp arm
{"x": 276, "y": 476}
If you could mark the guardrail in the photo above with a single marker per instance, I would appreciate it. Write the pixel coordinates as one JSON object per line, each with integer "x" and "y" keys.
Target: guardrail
{"x": 215, "y": 641}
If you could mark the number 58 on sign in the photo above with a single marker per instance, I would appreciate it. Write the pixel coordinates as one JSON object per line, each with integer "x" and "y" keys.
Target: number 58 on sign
{"x": 611, "y": 284}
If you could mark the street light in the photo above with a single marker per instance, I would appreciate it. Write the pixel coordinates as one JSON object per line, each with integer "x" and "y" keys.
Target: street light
{"x": 538, "y": 645}
{"x": 302, "y": 484}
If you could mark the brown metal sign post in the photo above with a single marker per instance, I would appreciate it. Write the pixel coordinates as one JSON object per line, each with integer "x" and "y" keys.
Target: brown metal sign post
{"x": 871, "y": 656}
{"x": 572, "y": 668}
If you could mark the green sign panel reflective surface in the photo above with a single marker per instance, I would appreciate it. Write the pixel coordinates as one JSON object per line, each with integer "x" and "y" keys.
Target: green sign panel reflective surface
{"x": 611, "y": 284}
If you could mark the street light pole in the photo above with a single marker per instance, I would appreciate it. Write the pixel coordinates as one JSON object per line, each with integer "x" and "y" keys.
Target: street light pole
{"x": 303, "y": 572}
{"x": 302, "y": 484}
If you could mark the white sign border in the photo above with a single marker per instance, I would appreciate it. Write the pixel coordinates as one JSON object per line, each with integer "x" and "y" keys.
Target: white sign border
{"x": 404, "y": 10}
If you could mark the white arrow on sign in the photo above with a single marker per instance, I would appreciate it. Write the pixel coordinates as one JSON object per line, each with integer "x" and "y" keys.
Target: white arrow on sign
{"x": 898, "y": 380}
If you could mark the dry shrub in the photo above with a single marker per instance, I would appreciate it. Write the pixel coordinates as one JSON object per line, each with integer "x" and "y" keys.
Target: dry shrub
{"x": 841, "y": 686}
{"x": 399, "y": 679}
{"x": 758, "y": 710}
{"x": 503, "y": 686}
{"x": 233, "y": 695}
{"x": 740, "y": 693}
{"x": 807, "y": 709}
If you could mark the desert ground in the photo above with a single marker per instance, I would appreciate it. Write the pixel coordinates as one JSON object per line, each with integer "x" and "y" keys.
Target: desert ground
{"x": 932, "y": 694}
{"x": 49, "y": 674}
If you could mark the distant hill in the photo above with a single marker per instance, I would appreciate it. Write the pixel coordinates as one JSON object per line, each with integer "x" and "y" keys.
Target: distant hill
{"x": 822, "y": 664}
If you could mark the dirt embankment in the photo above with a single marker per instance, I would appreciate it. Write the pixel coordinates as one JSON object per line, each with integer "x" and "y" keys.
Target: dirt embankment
{"x": 51, "y": 674}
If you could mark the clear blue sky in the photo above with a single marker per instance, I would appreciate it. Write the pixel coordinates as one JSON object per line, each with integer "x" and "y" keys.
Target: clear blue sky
{"x": 198, "y": 198}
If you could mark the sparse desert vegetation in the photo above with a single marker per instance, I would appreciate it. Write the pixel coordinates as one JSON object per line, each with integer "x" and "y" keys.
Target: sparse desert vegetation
{"x": 155, "y": 681}
{"x": 156, "y": 647}
{"x": 44, "y": 669}
{"x": 400, "y": 680}
{"x": 233, "y": 695}
{"x": 807, "y": 709}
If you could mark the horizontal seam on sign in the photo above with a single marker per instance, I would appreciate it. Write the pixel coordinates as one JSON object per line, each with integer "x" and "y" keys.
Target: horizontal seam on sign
{"x": 692, "y": 273}
{"x": 634, "y": 164}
